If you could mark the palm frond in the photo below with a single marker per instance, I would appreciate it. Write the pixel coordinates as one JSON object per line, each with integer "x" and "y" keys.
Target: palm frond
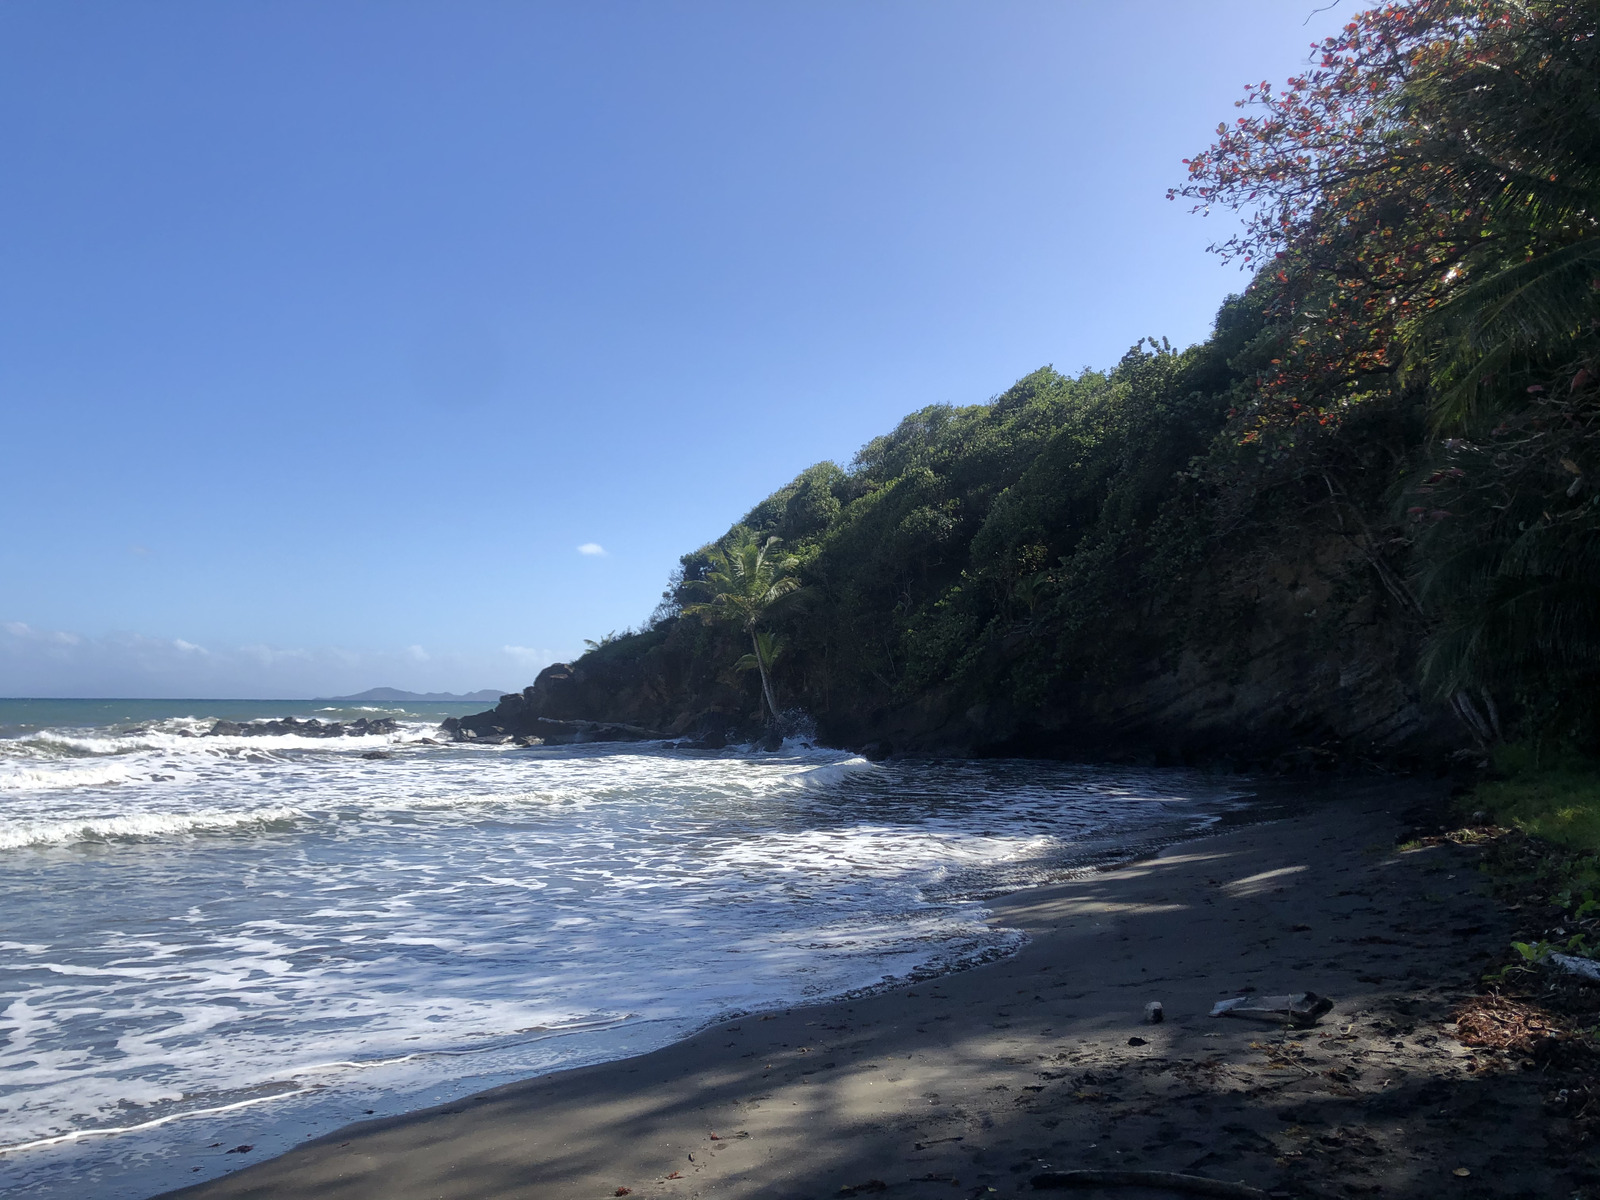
{"x": 1533, "y": 309}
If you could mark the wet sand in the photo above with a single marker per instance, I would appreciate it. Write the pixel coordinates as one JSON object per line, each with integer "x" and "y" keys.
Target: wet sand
{"x": 971, "y": 1084}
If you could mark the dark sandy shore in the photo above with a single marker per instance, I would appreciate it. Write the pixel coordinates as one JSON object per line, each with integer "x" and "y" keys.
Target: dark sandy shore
{"x": 973, "y": 1083}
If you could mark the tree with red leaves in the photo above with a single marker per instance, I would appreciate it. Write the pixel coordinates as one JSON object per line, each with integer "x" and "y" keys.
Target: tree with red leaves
{"x": 1422, "y": 210}
{"x": 1423, "y": 205}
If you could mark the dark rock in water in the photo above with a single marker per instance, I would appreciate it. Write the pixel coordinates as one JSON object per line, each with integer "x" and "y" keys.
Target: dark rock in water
{"x": 311, "y": 728}
{"x": 708, "y": 731}
{"x": 566, "y": 733}
{"x": 377, "y": 754}
{"x": 771, "y": 740}
{"x": 877, "y": 751}
{"x": 568, "y": 705}
{"x": 511, "y": 721}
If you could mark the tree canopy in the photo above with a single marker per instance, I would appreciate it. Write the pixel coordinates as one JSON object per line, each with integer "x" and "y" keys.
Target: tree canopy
{"x": 1426, "y": 198}
{"x": 1403, "y": 399}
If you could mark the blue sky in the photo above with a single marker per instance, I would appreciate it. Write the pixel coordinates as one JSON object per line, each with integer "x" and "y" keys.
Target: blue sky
{"x": 346, "y": 343}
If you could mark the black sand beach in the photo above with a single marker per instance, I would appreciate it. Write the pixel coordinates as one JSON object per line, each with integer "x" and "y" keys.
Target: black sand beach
{"x": 975, "y": 1083}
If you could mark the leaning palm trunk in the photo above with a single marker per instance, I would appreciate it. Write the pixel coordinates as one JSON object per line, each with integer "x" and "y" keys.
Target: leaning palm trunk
{"x": 745, "y": 586}
{"x": 766, "y": 679}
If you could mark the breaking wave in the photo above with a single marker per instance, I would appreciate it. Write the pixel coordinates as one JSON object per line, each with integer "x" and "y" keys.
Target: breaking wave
{"x": 312, "y": 929}
{"x": 140, "y": 825}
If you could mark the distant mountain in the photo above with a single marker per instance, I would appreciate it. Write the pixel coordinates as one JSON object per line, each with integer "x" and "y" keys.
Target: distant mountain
{"x": 396, "y": 696}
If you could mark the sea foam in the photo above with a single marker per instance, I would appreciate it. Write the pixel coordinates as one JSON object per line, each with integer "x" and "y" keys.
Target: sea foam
{"x": 140, "y": 825}
{"x": 278, "y": 925}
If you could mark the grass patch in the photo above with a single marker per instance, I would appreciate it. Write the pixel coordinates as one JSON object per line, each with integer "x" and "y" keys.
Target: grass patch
{"x": 1554, "y": 798}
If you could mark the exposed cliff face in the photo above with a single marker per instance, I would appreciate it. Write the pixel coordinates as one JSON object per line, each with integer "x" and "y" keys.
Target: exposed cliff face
{"x": 1294, "y": 659}
{"x": 650, "y": 685}
{"x": 1304, "y": 662}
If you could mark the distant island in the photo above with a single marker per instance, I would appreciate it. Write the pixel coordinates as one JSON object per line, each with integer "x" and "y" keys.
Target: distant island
{"x": 395, "y": 696}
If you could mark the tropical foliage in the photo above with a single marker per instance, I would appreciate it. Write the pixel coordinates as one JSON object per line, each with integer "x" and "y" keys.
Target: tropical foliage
{"x": 743, "y": 582}
{"x": 1424, "y": 200}
{"x": 1413, "y": 373}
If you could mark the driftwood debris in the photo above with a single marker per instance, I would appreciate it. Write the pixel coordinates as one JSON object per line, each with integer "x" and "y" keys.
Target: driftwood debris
{"x": 1300, "y": 1010}
{"x": 1576, "y": 964}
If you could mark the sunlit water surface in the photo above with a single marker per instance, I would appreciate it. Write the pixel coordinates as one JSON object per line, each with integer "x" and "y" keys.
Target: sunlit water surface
{"x": 215, "y": 942}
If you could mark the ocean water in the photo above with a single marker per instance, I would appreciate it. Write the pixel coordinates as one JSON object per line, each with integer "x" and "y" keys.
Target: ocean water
{"x": 208, "y": 943}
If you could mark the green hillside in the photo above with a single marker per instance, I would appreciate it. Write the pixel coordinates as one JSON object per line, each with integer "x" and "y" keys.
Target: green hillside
{"x": 1359, "y": 521}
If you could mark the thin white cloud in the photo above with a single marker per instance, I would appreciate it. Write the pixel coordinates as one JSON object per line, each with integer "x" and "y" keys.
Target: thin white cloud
{"x": 592, "y": 550}
{"x": 416, "y": 654}
{"x": 526, "y": 654}
{"x": 189, "y": 647}
{"x": 53, "y": 636}
{"x": 269, "y": 656}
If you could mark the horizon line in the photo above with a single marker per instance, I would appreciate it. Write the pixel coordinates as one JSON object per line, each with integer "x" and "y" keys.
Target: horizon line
{"x": 256, "y": 699}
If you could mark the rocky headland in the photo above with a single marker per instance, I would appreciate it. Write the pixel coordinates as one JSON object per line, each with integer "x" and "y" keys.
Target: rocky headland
{"x": 1313, "y": 668}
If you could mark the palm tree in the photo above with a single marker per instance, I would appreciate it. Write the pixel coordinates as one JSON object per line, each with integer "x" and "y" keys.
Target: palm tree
{"x": 745, "y": 582}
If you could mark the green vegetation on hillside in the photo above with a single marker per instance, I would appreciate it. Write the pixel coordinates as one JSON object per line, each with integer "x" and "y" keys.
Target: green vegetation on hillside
{"x": 1395, "y": 421}
{"x": 968, "y": 533}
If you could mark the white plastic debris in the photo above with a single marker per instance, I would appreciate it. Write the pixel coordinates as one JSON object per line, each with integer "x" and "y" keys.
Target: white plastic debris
{"x": 1587, "y": 967}
{"x": 1299, "y": 1009}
